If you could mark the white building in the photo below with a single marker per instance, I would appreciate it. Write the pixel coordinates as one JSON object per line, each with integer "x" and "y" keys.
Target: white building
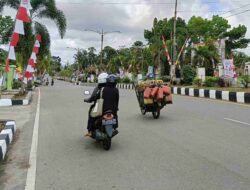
{"x": 247, "y": 68}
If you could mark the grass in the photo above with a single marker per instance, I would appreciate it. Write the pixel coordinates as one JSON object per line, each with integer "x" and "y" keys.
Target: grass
{"x": 19, "y": 96}
{"x": 231, "y": 89}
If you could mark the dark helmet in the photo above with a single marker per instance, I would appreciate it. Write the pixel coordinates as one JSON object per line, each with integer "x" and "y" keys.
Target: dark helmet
{"x": 112, "y": 79}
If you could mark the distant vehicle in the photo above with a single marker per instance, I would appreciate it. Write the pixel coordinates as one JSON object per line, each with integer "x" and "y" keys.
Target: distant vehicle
{"x": 38, "y": 81}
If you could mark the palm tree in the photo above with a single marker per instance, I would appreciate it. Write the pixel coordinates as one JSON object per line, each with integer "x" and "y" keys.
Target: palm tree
{"x": 41, "y": 9}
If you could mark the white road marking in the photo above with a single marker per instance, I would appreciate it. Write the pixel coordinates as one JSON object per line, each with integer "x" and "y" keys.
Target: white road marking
{"x": 236, "y": 121}
{"x": 31, "y": 175}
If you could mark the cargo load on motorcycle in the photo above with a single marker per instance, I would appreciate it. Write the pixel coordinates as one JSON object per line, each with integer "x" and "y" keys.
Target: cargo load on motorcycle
{"x": 152, "y": 96}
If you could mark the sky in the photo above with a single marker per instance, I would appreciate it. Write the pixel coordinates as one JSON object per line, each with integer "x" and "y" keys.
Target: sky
{"x": 131, "y": 18}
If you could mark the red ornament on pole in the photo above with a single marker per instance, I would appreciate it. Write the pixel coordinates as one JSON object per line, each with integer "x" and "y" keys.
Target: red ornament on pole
{"x": 22, "y": 14}
{"x": 39, "y": 37}
{"x": 36, "y": 49}
{"x": 14, "y": 39}
{"x": 32, "y": 63}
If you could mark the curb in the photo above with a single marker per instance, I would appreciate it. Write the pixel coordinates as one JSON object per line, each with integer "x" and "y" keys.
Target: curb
{"x": 239, "y": 97}
{"x": 6, "y": 137}
{"x": 126, "y": 86}
{"x": 10, "y": 102}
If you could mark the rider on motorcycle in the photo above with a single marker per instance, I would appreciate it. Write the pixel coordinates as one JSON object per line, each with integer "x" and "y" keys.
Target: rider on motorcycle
{"x": 111, "y": 97}
{"x": 102, "y": 80}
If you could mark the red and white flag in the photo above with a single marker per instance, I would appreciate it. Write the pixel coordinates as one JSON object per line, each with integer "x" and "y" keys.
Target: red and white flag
{"x": 33, "y": 56}
{"x": 31, "y": 62}
{"x": 166, "y": 50}
{"x": 30, "y": 69}
{"x": 14, "y": 39}
{"x": 22, "y": 14}
{"x": 36, "y": 49}
{"x": 39, "y": 37}
{"x": 19, "y": 28}
{"x": 26, "y": 4}
{"x": 12, "y": 55}
{"x": 37, "y": 43}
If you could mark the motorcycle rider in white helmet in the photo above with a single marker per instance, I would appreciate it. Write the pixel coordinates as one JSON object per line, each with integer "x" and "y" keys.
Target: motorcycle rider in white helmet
{"x": 102, "y": 80}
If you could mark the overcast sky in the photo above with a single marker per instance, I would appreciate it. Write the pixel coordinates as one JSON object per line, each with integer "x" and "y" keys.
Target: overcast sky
{"x": 130, "y": 17}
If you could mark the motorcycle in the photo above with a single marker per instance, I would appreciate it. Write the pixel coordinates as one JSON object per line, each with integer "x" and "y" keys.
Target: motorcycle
{"x": 104, "y": 128}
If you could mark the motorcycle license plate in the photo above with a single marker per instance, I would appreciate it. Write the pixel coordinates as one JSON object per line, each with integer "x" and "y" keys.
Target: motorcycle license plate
{"x": 109, "y": 122}
{"x": 109, "y": 130}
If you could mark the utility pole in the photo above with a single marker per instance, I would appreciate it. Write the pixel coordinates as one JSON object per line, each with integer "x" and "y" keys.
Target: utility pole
{"x": 174, "y": 43}
{"x": 78, "y": 64}
{"x": 102, "y": 33}
{"x": 102, "y": 37}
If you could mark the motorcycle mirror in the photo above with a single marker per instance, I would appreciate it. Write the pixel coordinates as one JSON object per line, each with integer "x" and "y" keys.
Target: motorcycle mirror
{"x": 86, "y": 92}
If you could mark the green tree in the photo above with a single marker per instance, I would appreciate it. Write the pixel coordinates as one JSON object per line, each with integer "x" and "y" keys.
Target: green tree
{"x": 6, "y": 27}
{"x": 236, "y": 39}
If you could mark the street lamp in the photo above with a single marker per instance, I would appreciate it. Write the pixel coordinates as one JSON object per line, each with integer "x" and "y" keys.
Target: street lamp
{"x": 78, "y": 50}
{"x": 102, "y": 33}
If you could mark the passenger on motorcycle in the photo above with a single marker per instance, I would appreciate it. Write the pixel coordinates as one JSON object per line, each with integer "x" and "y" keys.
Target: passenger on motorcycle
{"x": 102, "y": 80}
{"x": 111, "y": 97}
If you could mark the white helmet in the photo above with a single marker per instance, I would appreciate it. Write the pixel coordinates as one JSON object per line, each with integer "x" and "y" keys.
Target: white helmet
{"x": 102, "y": 78}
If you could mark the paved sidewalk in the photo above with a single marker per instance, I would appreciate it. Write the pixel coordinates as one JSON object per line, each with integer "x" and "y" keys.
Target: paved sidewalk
{"x": 13, "y": 170}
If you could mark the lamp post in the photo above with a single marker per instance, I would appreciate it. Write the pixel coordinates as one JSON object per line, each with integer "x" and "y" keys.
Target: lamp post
{"x": 102, "y": 33}
{"x": 78, "y": 65}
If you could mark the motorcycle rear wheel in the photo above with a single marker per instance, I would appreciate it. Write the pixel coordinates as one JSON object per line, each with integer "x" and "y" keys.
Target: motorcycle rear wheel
{"x": 156, "y": 114}
{"x": 106, "y": 144}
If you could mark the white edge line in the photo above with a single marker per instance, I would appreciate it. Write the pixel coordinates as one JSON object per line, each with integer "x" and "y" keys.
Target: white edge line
{"x": 236, "y": 121}
{"x": 31, "y": 174}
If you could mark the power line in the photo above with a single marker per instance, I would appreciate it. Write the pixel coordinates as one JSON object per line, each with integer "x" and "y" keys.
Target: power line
{"x": 238, "y": 13}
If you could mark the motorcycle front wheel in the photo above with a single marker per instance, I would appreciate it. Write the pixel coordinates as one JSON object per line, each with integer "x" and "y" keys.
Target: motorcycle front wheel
{"x": 106, "y": 144}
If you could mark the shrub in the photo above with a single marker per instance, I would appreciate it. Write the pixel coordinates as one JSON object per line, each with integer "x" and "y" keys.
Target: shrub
{"x": 126, "y": 80}
{"x": 165, "y": 78}
{"x": 245, "y": 80}
{"x": 188, "y": 74}
{"x": 17, "y": 84}
{"x": 211, "y": 81}
{"x": 221, "y": 82}
{"x": 197, "y": 81}
{"x": 29, "y": 85}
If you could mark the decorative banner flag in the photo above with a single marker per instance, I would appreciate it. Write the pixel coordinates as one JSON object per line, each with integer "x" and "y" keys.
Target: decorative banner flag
{"x": 14, "y": 39}
{"x": 37, "y": 44}
{"x": 12, "y": 55}
{"x": 33, "y": 56}
{"x": 166, "y": 50}
{"x": 39, "y": 37}
{"x": 30, "y": 69}
{"x": 7, "y": 65}
{"x": 32, "y": 63}
{"x": 28, "y": 75}
{"x": 25, "y": 80}
{"x": 26, "y": 4}
{"x": 36, "y": 49}
{"x": 19, "y": 28}
{"x": 22, "y": 14}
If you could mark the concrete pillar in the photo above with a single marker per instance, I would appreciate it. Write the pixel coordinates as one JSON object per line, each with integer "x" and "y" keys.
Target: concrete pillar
{"x": 10, "y": 76}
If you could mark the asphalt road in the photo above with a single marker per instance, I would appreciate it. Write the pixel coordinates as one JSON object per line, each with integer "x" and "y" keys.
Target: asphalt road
{"x": 197, "y": 144}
